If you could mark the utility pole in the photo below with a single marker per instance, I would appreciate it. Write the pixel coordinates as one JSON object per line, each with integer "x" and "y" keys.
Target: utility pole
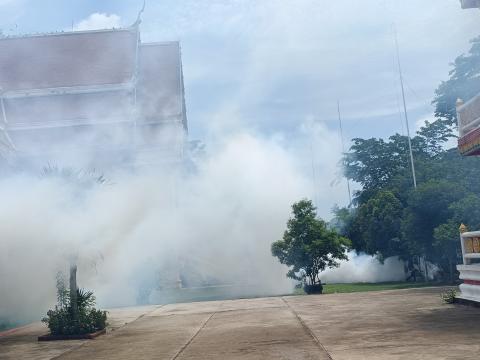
{"x": 343, "y": 151}
{"x": 314, "y": 173}
{"x": 400, "y": 75}
{"x": 405, "y": 111}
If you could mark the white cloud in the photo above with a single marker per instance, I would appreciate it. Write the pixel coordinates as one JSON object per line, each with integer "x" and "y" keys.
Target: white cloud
{"x": 97, "y": 21}
{"x": 310, "y": 53}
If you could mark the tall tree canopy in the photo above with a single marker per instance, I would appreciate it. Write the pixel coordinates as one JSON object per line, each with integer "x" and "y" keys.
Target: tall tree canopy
{"x": 390, "y": 217}
{"x": 376, "y": 227}
{"x": 464, "y": 83}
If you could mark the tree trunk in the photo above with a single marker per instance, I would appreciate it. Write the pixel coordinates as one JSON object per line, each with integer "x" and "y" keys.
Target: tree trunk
{"x": 73, "y": 291}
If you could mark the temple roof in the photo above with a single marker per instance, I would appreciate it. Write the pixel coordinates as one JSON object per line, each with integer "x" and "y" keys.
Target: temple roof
{"x": 91, "y": 89}
{"x": 69, "y": 59}
{"x": 160, "y": 86}
{"x": 76, "y": 67}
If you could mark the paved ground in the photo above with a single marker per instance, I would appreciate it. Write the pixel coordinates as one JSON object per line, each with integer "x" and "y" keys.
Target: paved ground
{"x": 401, "y": 324}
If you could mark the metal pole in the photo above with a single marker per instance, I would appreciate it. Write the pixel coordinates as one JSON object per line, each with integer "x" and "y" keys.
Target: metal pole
{"x": 314, "y": 173}
{"x": 405, "y": 111}
{"x": 343, "y": 151}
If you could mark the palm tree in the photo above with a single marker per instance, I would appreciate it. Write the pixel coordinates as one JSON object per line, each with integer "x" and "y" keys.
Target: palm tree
{"x": 82, "y": 180}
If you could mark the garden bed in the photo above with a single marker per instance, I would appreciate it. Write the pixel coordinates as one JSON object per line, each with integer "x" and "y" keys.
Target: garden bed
{"x": 313, "y": 289}
{"x": 89, "y": 336}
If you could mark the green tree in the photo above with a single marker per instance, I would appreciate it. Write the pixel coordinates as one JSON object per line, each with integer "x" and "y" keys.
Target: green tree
{"x": 376, "y": 229}
{"x": 467, "y": 211}
{"x": 428, "y": 207}
{"x": 377, "y": 163}
{"x": 341, "y": 220}
{"x": 308, "y": 246}
{"x": 80, "y": 182}
{"x": 371, "y": 162}
{"x": 434, "y": 136}
{"x": 391, "y": 217}
{"x": 464, "y": 83}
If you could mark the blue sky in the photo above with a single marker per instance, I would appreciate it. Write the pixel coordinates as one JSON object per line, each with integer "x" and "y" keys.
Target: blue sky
{"x": 271, "y": 65}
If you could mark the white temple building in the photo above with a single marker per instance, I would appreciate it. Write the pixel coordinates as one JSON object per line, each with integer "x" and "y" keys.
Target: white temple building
{"x": 101, "y": 96}
{"x": 468, "y": 118}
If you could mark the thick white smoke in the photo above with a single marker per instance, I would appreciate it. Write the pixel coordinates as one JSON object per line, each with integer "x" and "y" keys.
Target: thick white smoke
{"x": 140, "y": 235}
{"x": 218, "y": 224}
{"x": 365, "y": 268}
{"x": 142, "y": 229}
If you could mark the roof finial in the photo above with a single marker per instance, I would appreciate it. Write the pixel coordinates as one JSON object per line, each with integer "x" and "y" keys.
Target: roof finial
{"x": 459, "y": 103}
{"x": 139, "y": 17}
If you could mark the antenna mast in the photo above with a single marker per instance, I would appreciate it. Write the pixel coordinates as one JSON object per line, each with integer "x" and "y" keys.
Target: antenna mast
{"x": 343, "y": 151}
{"x": 314, "y": 173}
{"x": 405, "y": 109}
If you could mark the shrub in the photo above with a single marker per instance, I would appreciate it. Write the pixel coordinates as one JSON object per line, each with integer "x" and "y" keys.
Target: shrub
{"x": 449, "y": 296}
{"x": 61, "y": 321}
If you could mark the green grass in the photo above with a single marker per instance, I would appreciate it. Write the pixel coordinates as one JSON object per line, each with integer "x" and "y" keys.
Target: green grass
{"x": 362, "y": 287}
{"x": 5, "y": 325}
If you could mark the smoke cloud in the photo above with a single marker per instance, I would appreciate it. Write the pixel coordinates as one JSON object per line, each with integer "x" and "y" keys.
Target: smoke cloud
{"x": 365, "y": 268}
{"x": 213, "y": 225}
{"x": 208, "y": 225}
{"x": 140, "y": 234}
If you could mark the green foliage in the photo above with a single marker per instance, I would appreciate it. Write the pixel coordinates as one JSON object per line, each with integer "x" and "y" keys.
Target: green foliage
{"x": 467, "y": 211}
{"x": 74, "y": 316}
{"x": 308, "y": 246}
{"x": 60, "y": 321}
{"x": 373, "y": 162}
{"x": 434, "y": 134}
{"x": 427, "y": 208}
{"x": 449, "y": 296}
{"x": 341, "y": 220}
{"x": 85, "y": 299}
{"x": 376, "y": 227}
{"x": 464, "y": 83}
{"x": 391, "y": 217}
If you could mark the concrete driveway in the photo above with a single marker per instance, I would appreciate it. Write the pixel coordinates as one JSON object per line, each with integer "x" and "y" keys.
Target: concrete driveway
{"x": 400, "y": 324}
